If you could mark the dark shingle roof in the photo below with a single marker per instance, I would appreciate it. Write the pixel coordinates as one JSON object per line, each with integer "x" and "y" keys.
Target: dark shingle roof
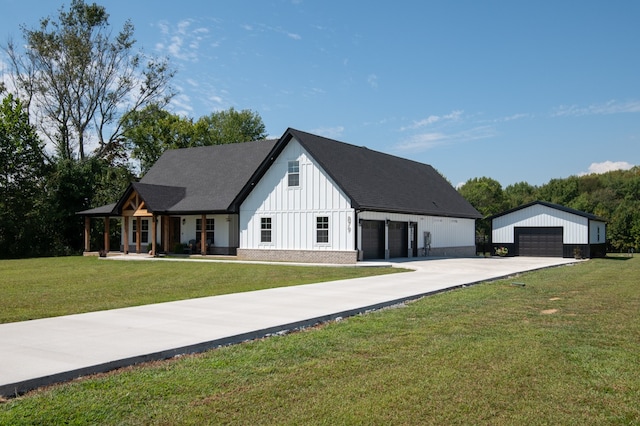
{"x": 106, "y": 210}
{"x": 211, "y": 176}
{"x": 377, "y": 181}
{"x": 158, "y": 198}
{"x": 553, "y": 206}
{"x": 218, "y": 178}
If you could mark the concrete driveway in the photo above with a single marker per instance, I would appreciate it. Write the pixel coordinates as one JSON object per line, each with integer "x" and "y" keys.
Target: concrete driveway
{"x": 39, "y": 352}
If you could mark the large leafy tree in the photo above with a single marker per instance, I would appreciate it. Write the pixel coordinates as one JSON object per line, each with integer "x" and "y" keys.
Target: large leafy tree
{"x": 22, "y": 172}
{"x": 487, "y": 196}
{"x": 229, "y": 126}
{"x": 519, "y": 193}
{"x": 152, "y": 130}
{"x": 74, "y": 186}
{"x": 78, "y": 79}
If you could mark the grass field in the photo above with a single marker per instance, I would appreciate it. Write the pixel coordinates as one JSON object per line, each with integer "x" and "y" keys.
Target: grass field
{"x": 40, "y": 288}
{"x": 563, "y": 349}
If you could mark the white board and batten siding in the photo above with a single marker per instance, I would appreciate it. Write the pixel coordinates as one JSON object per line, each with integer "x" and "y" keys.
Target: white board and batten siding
{"x": 294, "y": 210}
{"x": 576, "y": 228}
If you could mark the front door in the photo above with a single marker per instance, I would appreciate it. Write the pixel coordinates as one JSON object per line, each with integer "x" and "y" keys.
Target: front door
{"x": 174, "y": 233}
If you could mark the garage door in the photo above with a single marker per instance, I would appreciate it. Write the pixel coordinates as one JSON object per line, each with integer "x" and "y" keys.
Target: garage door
{"x": 545, "y": 242}
{"x": 373, "y": 239}
{"x": 398, "y": 239}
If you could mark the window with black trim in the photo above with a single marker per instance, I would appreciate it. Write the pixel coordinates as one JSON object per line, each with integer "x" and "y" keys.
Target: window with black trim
{"x": 322, "y": 229}
{"x": 144, "y": 230}
{"x": 293, "y": 173}
{"x": 211, "y": 227}
{"x": 265, "y": 230}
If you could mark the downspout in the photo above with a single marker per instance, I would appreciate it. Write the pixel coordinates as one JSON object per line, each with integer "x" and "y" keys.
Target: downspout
{"x": 358, "y": 236}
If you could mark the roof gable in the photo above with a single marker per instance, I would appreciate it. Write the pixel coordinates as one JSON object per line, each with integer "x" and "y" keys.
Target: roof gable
{"x": 211, "y": 176}
{"x": 552, "y": 206}
{"x": 377, "y": 181}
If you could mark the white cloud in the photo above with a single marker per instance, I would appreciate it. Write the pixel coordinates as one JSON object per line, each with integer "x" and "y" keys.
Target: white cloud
{"x": 294, "y": 36}
{"x": 433, "y": 119}
{"x": 216, "y": 99}
{"x": 181, "y": 40}
{"x": 512, "y": 118}
{"x": 607, "y": 166}
{"x": 607, "y": 108}
{"x": 181, "y": 105}
{"x": 314, "y": 91}
{"x": 372, "y": 79}
{"x": 329, "y": 132}
{"x": 426, "y": 141}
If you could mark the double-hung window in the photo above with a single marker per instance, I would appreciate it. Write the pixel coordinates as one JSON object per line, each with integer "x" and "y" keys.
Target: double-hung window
{"x": 144, "y": 230}
{"x": 210, "y": 230}
{"x": 322, "y": 229}
{"x": 293, "y": 173}
{"x": 265, "y": 230}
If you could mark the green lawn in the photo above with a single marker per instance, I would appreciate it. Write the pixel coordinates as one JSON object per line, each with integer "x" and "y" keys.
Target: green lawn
{"x": 564, "y": 349}
{"x": 39, "y": 288}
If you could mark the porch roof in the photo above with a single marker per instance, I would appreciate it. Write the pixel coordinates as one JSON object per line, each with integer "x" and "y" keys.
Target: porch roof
{"x": 157, "y": 198}
{"x": 106, "y": 210}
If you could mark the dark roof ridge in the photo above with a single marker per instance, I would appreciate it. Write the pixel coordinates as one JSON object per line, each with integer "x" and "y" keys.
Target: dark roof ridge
{"x": 553, "y": 206}
{"x": 358, "y": 146}
{"x": 374, "y": 180}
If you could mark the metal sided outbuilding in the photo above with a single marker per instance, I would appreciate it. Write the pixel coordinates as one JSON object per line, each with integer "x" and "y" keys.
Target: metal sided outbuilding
{"x": 544, "y": 229}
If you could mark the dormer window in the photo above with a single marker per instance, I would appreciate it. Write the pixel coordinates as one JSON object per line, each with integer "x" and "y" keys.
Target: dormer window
{"x": 293, "y": 173}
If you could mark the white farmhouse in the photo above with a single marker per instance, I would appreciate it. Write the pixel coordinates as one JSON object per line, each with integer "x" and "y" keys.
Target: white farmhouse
{"x": 299, "y": 198}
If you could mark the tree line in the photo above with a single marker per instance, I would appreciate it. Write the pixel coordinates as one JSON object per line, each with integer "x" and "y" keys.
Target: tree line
{"x": 82, "y": 115}
{"x": 614, "y": 196}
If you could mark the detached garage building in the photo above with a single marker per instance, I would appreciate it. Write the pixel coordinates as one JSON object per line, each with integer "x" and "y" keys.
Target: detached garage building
{"x": 551, "y": 230}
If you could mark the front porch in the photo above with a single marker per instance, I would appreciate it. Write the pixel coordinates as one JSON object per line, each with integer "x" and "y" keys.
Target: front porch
{"x": 148, "y": 225}
{"x": 177, "y": 235}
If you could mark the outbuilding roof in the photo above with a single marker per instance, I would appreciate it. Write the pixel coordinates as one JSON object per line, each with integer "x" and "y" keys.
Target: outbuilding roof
{"x": 552, "y": 206}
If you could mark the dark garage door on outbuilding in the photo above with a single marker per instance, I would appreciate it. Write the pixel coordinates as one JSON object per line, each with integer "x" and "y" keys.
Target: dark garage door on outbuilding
{"x": 539, "y": 241}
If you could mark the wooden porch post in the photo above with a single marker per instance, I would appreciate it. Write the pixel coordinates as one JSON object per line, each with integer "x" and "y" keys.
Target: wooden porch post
{"x": 154, "y": 228}
{"x": 106, "y": 233}
{"x": 138, "y": 234}
{"x": 203, "y": 235}
{"x": 87, "y": 231}
{"x": 166, "y": 220}
{"x": 125, "y": 246}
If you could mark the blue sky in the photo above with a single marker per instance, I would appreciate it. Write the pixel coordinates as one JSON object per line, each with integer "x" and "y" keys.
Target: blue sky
{"x": 512, "y": 90}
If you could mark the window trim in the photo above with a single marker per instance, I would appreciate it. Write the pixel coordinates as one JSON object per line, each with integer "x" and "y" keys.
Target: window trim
{"x": 323, "y": 225}
{"x": 266, "y": 229}
{"x": 210, "y": 231}
{"x": 144, "y": 231}
{"x": 293, "y": 169}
